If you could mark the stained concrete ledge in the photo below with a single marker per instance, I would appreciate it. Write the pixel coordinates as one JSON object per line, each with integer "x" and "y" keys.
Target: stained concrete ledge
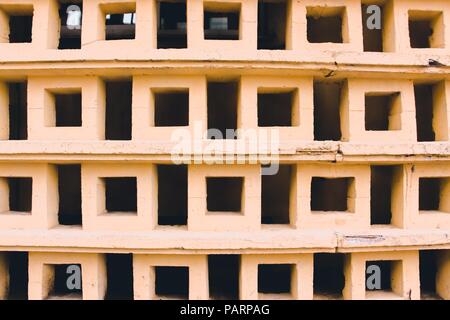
{"x": 182, "y": 241}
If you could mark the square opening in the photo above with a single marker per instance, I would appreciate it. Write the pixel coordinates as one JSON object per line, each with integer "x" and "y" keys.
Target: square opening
{"x": 172, "y": 282}
{"x": 172, "y": 25}
{"x": 120, "y": 25}
{"x": 433, "y": 195}
{"x": 372, "y": 32}
{"x": 119, "y": 270}
{"x": 118, "y": 110}
{"x": 18, "y": 275}
{"x": 223, "y": 277}
{"x": 272, "y": 18}
{"x": 224, "y": 194}
{"x": 426, "y": 29}
{"x": 20, "y": 26}
{"x": 382, "y": 111}
{"x": 221, "y": 20}
{"x": 19, "y": 195}
{"x": 327, "y": 118}
{"x": 428, "y": 274}
{"x": 333, "y": 194}
{"x": 17, "y": 93}
{"x": 222, "y": 109}
{"x": 172, "y": 195}
{"x": 275, "y": 279}
{"x": 70, "y": 16}
{"x": 277, "y": 109}
{"x": 383, "y": 278}
{"x": 329, "y": 279}
{"x": 381, "y": 194}
{"x": 69, "y": 194}
{"x": 325, "y": 24}
{"x": 121, "y": 195}
{"x": 431, "y": 112}
{"x": 67, "y": 109}
{"x": 171, "y": 107}
{"x": 63, "y": 288}
{"x": 276, "y": 193}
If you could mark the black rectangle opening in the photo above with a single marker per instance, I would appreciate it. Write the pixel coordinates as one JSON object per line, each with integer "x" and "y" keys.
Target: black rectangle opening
{"x": 423, "y": 94}
{"x": 275, "y": 278}
{"x": 275, "y": 196}
{"x": 171, "y": 108}
{"x": 18, "y": 275}
{"x": 172, "y": 282}
{"x": 70, "y": 15}
{"x": 381, "y": 180}
{"x": 69, "y": 190}
{"x": 224, "y": 194}
{"x": 329, "y": 279}
{"x": 222, "y": 109}
{"x": 276, "y": 109}
{"x": 172, "y": 25}
{"x": 121, "y": 194}
{"x": 172, "y": 194}
{"x": 222, "y": 21}
{"x": 20, "y": 194}
{"x": 372, "y": 31}
{"x": 327, "y": 118}
{"x": 382, "y": 112}
{"x": 120, "y": 26}
{"x": 384, "y": 283}
{"x": 330, "y": 194}
{"x": 429, "y": 194}
{"x": 428, "y": 274}
{"x": 324, "y": 25}
{"x": 20, "y": 28}
{"x": 272, "y": 17}
{"x": 18, "y": 111}
{"x": 119, "y": 269}
{"x": 63, "y": 287}
{"x": 223, "y": 276}
{"x": 68, "y": 109}
{"x": 118, "y": 110}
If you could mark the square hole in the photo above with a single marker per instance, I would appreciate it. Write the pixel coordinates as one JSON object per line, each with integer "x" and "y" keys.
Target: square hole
{"x": 275, "y": 278}
{"x": 224, "y": 194}
{"x": 277, "y": 109}
{"x": 59, "y": 288}
{"x": 69, "y": 194}
{"x": 172, "y": 282}
{"x": 17, "y": 94}
{"x": 325, "y": 24}
{"x": 172, "y": 194}
{"x": 428, "y": 264}
{"x": 383, "y": 278}
{"x": 171, "y": 108}
{"x": 333, "y": 194}
{"x": 372, "y": 35}
{"x": 121, "y": 195}
{"x": 118, "y": 110}
{"x": 172, "y": 25}
{"x": 20, "y": 28}
{"x": 222, "y": 109}
{"x": 20, "y": 195}
{"x": 276, "y": 196}
{"x": 272, "y": 18}
{"x": 120, "y": 25}
{"x": 382, "y": 111}
{"x": 119, "y": 270}
{"x": 70, "y": 16}
{"x": 433, "y": 193}
{"x": 329, "y": 279}
{"x": 223, "y": 277}
{"x": 426, "y": 29}
{"x": 327, "y": 110}
{"x": 17, "y": 275}
{"x": 67, "y": 109}
{"x": 221, "y": 20}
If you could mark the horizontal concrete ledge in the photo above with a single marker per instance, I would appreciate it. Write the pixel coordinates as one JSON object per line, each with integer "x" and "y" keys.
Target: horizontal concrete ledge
{"x": 402, "y": 67}
{"x": 182, "y": 241}
{"x": 288, "y": 151}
